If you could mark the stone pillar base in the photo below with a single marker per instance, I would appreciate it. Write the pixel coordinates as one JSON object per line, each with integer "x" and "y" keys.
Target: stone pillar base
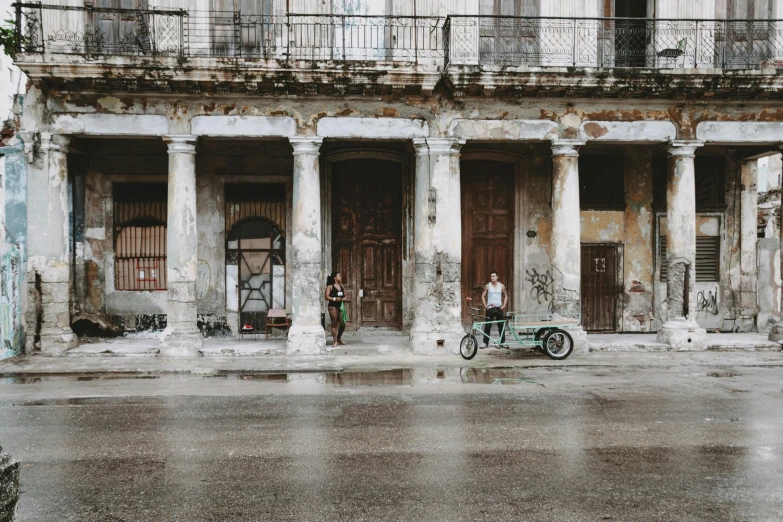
{"x": 581, "y": 344}
{"x": 429, "y": 342}
{"x": 306, "y": 340}
{"x": 180, "y": 344}
{"x": 683, "y": 336}
{"x": 776, "y": 334}
{"x": 57, "y": 344}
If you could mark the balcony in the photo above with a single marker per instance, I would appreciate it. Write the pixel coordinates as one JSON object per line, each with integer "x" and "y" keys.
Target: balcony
{"x": 342, "y": 52}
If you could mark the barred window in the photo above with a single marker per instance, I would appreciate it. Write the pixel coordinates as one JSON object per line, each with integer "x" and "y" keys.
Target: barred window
{"x": 140, "y": 236}
{"x": 707, "y": 259}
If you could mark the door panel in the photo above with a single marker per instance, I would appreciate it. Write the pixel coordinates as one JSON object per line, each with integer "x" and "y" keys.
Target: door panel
{"x": 599, "y": 287}
{"x": 367, "y": 230}
{"x": 487, "y": 226}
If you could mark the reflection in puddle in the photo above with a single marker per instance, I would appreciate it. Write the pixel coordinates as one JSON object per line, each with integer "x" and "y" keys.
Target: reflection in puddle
{"x": 398, "y": 377}
{"x": 504, "y": 376}
{"x": 391, "y": 377}
{"x": 264, "y": 377}
{"x": 75, "y": 377}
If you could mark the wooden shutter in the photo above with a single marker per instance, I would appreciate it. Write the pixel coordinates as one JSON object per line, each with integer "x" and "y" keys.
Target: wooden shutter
{"x": 707, "y": 259}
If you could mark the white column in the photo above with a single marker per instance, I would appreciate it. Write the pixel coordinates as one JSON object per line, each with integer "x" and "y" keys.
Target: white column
{"x": 49, "y": 260}
{"x": 776, "y": 333}
{"x": 437, "y": 323}
{"x": 748, "y": 307}
{"x": 566, "y": 247}
{"x": 182, "y": 337}
{"x": 679, "y": 328}
{"x": 306, "y": 335}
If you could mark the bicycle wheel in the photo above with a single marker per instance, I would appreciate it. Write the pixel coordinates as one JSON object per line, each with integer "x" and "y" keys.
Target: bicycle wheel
{"x": 468, "y": 347}
{"x": 558, "y": 344}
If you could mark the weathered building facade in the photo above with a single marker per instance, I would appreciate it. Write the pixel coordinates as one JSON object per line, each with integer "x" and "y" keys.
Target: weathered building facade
{"x": 199, "y": 166}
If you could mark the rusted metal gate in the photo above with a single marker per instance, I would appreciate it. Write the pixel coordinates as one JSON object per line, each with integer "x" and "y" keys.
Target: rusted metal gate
{"x": 487, "y": 226}
{"x": 600, "y": 287}
{"x": 367, "y": 236}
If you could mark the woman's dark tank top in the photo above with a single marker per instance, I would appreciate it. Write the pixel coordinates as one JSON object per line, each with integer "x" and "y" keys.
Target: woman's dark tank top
{"x": 334, "y": 293}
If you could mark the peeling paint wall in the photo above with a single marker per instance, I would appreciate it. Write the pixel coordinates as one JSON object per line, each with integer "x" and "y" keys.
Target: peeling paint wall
{"x": 769, "y": 284}
{"x": 536, "y": 270}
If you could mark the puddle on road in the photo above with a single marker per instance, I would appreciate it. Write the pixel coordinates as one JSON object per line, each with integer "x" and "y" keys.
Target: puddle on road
{"x": 393, "y": 377}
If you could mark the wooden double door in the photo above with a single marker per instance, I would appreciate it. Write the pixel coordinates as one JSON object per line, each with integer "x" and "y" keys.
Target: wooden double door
{"x": 487, "y": 226}
{"x": 367, "y": 238}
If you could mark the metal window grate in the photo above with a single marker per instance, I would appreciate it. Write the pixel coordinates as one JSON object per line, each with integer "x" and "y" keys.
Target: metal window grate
{"x": 707, "y": 259}
{"x": 140, "y": 237}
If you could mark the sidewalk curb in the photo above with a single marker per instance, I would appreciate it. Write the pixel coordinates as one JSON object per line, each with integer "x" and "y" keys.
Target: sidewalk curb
{"x": 206, "y": 366}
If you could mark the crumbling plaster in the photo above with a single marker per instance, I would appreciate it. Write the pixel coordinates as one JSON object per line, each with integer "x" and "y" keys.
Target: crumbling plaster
{"x": 547, "y": 119}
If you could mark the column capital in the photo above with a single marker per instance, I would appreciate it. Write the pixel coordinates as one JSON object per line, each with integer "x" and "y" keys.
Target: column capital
{"x": 684, "y": 148}
{"x": 306, "y": 144}
{"x": 561, "y": 147}
{"x": 54, "y": 142}
{"x": 444, "y": 145}
{"x": 181, "y": 143}
{"x": 421, "y": 148}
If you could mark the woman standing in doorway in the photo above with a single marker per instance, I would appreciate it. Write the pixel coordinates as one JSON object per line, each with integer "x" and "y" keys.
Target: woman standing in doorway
{"x": 335, "y": 294}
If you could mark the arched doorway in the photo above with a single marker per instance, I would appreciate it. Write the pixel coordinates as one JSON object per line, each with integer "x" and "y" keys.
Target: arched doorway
{"x": 255, "y": 267}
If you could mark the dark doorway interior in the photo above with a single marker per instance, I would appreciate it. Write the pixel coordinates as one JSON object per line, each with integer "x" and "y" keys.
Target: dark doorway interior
{"x": 630, "y": 36}
{"x": 367, "y": 237}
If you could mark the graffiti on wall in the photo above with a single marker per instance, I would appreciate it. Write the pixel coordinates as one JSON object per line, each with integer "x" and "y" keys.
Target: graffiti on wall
{"x": 707, "y": 301}
{"x": 203, "y": 281}
{"x": 541, "y": 286}
{"x": 10, "y": 303}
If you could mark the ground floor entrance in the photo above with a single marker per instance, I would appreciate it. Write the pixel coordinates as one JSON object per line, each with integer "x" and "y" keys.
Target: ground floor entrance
{"x": 367, "y": 239}
{"x": 600, "y": 287}
{"x": 487, "y": 226}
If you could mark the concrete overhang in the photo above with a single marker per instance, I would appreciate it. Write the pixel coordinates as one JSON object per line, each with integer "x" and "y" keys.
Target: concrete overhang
{"x": 372, "y": 128}
{"x": 243, "y": 126}
{"x": 628, "y": 131}
{"x": 110, "y": 124}
{"x": 538, "y": 130}
{"x": 740, "y": 132}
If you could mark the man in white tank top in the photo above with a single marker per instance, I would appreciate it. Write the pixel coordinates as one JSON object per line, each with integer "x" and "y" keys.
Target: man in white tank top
{"x": 495, "y": 299}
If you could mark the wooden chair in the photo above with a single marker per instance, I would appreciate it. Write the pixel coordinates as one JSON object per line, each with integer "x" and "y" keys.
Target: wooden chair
{"x": 276, "y": 318}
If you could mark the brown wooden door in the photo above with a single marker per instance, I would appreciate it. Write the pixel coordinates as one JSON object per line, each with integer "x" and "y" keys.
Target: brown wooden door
{"x": 487, "y": 226}
{"x": 367, "y": 235}
{"x": 599, "y": 287}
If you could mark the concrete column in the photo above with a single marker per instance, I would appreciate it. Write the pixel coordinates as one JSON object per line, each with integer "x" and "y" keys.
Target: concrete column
{"x": 49, "y": 261}
{"x": 566, "y": 247}
{"x": 679, "y": 328}
{"x": 776, "y": 333}
{"x": 182, "y": 337}
{"x": 748, "y": 308}
{"x": 306, "y": 335}
{"x": 437, "y": 322}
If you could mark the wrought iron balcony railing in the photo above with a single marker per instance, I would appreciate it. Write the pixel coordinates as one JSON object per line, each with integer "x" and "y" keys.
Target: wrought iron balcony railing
{"x": 100, "y": 31}
{"x": 613, "y": 42}
{"x": 454, "y": 40}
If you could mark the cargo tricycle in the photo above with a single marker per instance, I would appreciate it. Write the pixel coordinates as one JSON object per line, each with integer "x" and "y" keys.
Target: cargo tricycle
{"x": 543, "y": 331}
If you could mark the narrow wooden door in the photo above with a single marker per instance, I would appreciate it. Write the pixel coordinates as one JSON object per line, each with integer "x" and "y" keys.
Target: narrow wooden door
{"x": 487, "y": 226}
{"x": 599, "y": 287}
{"x": 367, "y": 233}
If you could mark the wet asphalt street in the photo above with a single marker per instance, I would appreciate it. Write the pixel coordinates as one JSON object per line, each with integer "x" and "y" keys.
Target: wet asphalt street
{"x": 587, "y": 443}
